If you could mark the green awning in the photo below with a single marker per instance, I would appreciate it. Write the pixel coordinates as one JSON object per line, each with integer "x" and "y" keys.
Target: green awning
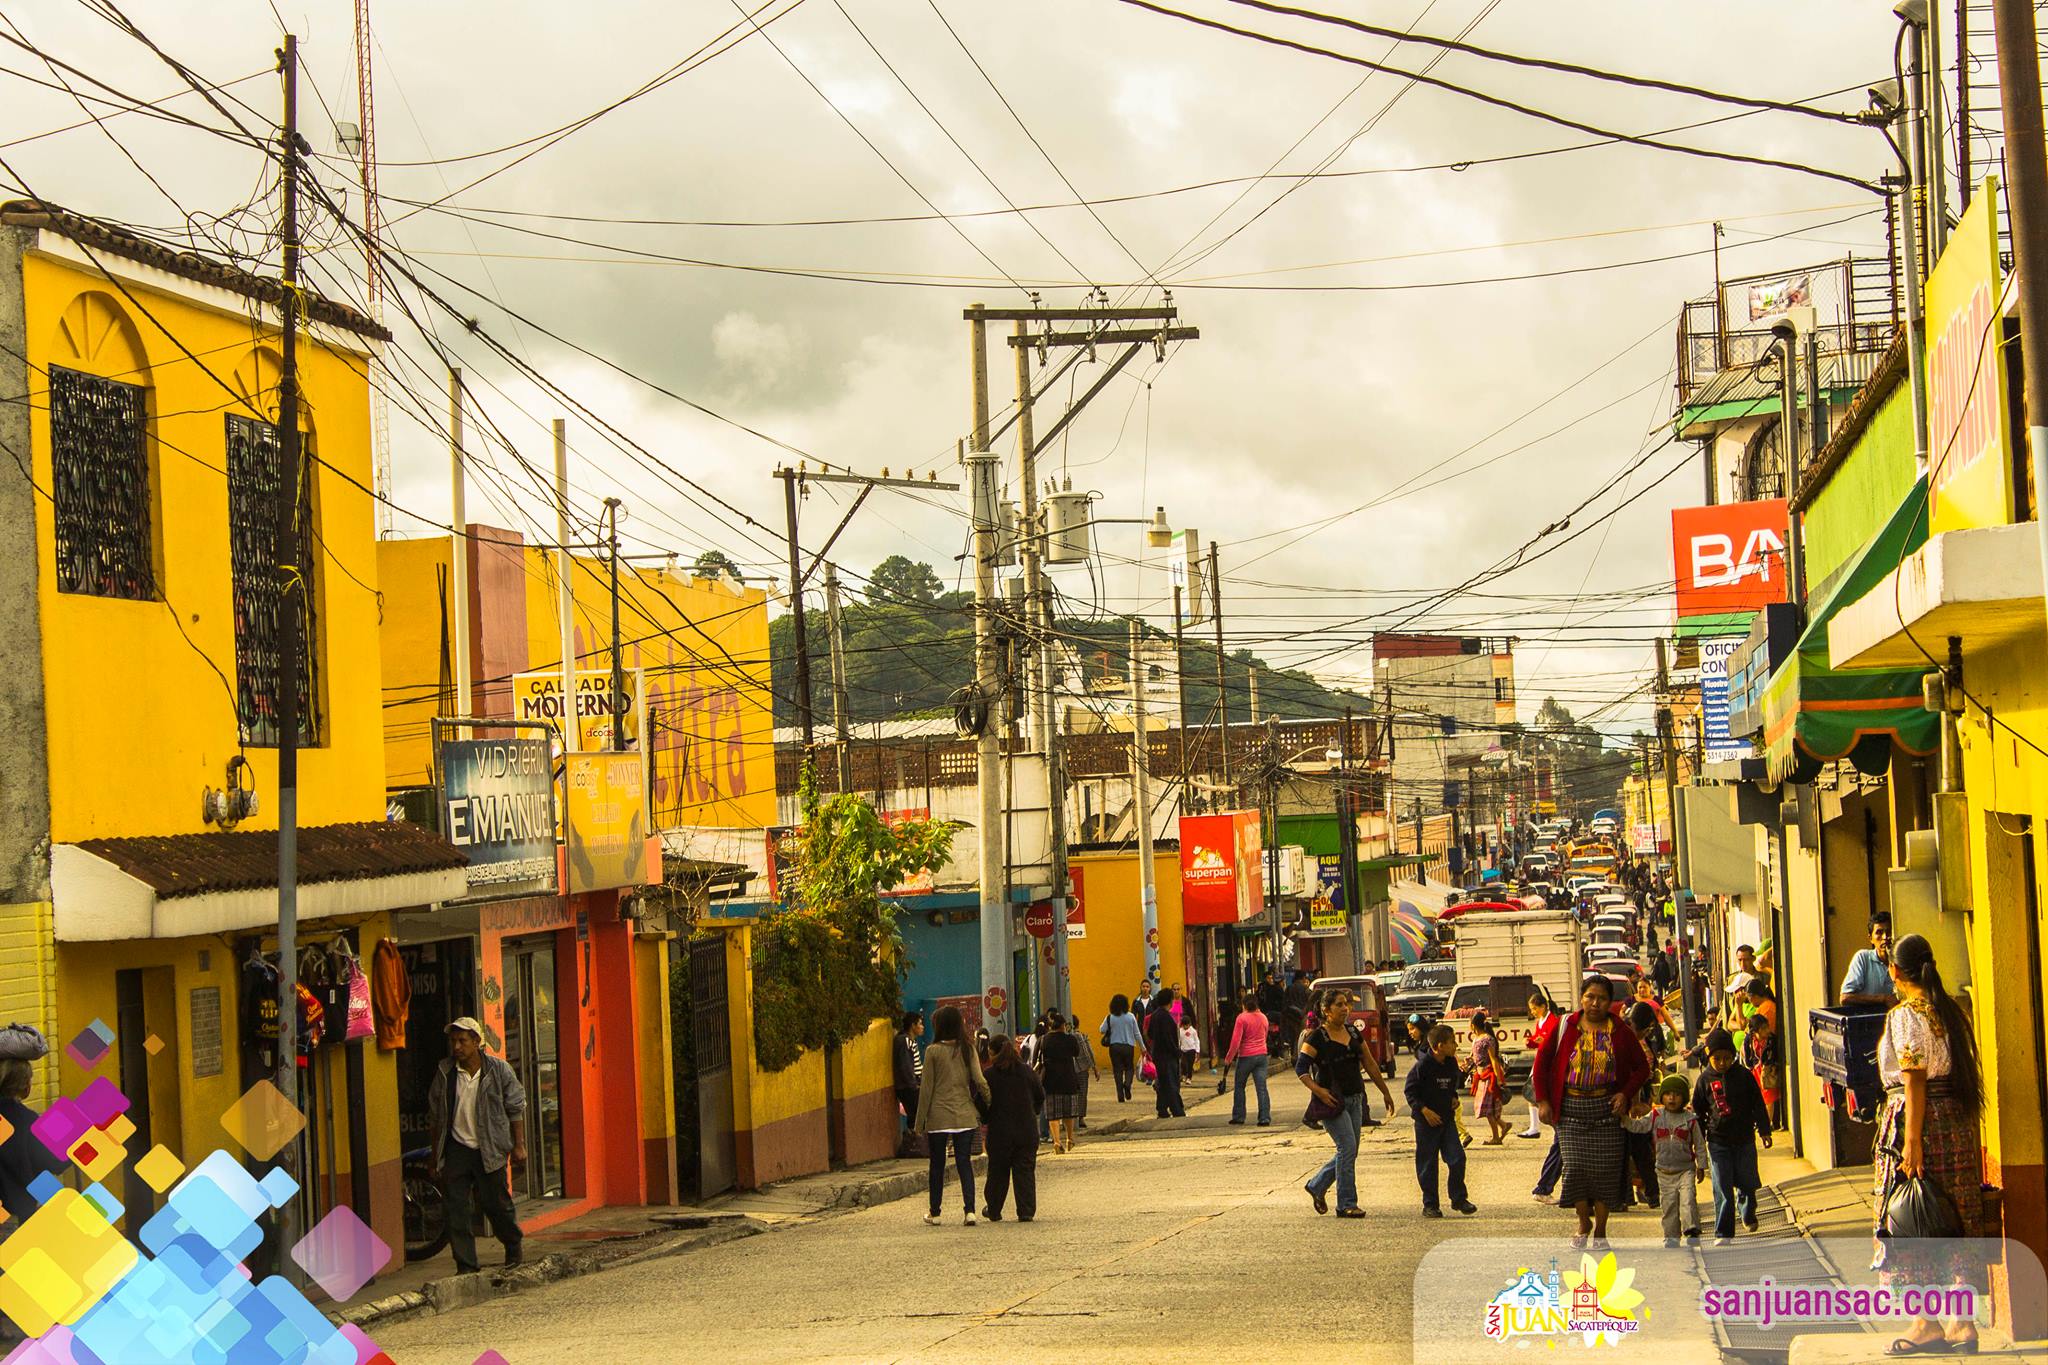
{"x": 1715, "y": 624}
{"x": 1813, "y": 713}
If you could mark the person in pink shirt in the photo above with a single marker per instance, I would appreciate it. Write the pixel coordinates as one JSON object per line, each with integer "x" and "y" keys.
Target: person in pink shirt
{"x": 1248, "y": 1051}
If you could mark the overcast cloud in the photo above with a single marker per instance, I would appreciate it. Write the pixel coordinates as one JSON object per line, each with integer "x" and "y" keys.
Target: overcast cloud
{"x": 1293, "y": 405}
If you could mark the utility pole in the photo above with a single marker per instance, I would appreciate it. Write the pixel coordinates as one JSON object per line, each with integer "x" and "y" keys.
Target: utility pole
{"x": 1222, "y": 690}
{"x": 291, "y": 661}
{"x": 1252, "y": 675}
{"x": 1141, "y": 797}
{"x": 1270, "y": 819}
{"x": 2019, "y": 89}
{"x": 1044, "y": 697}
{"x": 790, "y": 478}
{"x": 458, "y": 521}
{"x": 1347, "y": 852}
{"x": 1180, "y": 683}
{"x": 1689, "y": 1005}
{"x": 842, "y": 716}
{"x": 572, "y": 728}
{"x": 1788, "y": 432}
{"x": 618, "y": 706}
{"x": 988, "y": 751}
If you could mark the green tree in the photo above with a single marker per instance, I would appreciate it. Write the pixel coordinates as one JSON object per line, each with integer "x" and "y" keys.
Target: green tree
{"x": 712, "y": 563}
{"x": 901, "y": 580}
{"x": 830, "y": 961}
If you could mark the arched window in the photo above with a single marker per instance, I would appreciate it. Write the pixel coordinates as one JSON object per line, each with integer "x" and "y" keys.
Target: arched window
{"x": 99, "y": 453}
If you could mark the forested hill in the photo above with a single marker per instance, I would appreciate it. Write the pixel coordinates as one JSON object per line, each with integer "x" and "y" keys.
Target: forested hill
{"x": 910, "y": 646}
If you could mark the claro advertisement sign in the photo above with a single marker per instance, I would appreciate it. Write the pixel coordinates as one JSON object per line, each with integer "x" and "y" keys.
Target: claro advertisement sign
{"x": 1222, "y": 879}
{"x": 498, "y": 806}
{"x": 1730, "y": 557}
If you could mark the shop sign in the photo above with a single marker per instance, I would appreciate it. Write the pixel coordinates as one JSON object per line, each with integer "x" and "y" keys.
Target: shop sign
{"x": 607, "y": 821}
{"x": 538, "y": 697}
{"x": 1714, "y": 656}
{"x": 1221, "y": 880}
{"x": 1969, "y": 425}
{"x": 1729, "y": 557}
{"x": 498, "y": 807}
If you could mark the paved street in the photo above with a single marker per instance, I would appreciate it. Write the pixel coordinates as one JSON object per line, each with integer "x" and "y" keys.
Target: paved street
{"x": 1187, "y": 1241}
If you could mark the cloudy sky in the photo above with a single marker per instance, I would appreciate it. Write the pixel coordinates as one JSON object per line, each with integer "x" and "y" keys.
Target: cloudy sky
{"x": 1449, "y": 423}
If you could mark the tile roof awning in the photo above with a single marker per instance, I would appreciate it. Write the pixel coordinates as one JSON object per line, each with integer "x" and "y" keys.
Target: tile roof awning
{"x": 171, "y": 886}
{"x": 1815, "y": 713}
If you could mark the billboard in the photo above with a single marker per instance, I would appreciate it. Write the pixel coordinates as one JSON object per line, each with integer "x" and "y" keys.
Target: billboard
{"x": 498, "y": 806}
{"x": 538, "y": 697}
{"x": 607, "y": 821}
{"x": 1730, "y": 557}
{"x": 1222, "y": 880}
{"x": 1969, "y": 426}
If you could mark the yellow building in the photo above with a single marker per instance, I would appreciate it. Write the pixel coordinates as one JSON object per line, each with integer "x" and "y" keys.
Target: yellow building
{"x": 700, "y": 647}
{"x": 138, "y": 707}
{"x": 1110, "y": 960}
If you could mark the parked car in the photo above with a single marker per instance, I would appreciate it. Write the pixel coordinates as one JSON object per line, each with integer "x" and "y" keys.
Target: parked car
{"x": 1425, "y": 989}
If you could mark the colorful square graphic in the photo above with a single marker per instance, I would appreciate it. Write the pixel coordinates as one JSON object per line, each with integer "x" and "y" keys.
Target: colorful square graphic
{"x": 152, "y": 1045}
{"x": 60, "y": 1262}
{"x": 341, "y": 1253}
{"x": 263, "y": 1120}
{"x": 158, "y": 1168}
{"x": 91, "y": 1044}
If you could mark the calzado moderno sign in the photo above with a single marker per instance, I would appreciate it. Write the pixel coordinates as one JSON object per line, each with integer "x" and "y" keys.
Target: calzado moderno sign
{"x": 498, "y": 806}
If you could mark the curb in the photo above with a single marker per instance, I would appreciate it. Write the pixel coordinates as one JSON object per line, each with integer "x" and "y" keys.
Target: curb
{"x": 451, "y": 1292}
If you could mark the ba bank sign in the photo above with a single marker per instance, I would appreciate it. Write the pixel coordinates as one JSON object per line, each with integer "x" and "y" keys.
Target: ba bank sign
{"x": 1730, "y": 557}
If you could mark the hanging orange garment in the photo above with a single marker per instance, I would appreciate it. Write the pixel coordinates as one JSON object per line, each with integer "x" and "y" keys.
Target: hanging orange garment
{"x": 390, "y": 995}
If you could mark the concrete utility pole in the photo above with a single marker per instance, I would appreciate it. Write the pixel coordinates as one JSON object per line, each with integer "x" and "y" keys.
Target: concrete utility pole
{"x": 618, "y": 706}
{"x": 291, "y": 651}
{"x": 1180, "y": 684}
{"x": 1347, "y": 852}
{"x": 790, "y": 478}
{"x": 1270, "y": 819}
{"x": 842, "y": 716}
{"x": 1689, "y": 1004}
{"x": 1141, "y": 803}
{"x": 2026, "y": 160}
{"x": 991, "y": 867}
{"x": 572, "y": 738}
{"x": 1252, "y": 675}
{"x": 1045, "y": 717}
{"x": 458, "y": 559}
{"x": 1222, "y": 688}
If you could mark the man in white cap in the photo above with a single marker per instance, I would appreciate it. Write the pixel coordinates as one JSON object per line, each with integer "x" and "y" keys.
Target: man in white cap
{"x": 477, "y": 1111}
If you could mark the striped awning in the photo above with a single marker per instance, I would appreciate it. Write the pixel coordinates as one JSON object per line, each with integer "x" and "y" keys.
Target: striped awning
{"x": 1814, "y": 714}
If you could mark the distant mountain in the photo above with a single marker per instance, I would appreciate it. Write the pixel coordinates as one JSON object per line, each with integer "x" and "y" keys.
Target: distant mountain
{"x": 910, "y": 646}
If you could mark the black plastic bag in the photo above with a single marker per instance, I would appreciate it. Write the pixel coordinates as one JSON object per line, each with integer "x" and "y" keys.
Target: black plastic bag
{"x": 1918, "y": 1207}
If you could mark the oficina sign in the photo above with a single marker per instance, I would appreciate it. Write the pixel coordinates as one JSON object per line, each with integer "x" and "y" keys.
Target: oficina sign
{"x": 1730, "y": 557}
{"x": 1221, "y": 881}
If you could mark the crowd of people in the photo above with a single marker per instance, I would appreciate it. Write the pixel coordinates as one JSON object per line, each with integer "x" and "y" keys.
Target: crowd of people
{"x": 1634, "y": 1116}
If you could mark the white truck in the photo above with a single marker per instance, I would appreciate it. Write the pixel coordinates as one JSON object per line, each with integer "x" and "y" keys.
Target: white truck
{"x": 1502, "y": 958}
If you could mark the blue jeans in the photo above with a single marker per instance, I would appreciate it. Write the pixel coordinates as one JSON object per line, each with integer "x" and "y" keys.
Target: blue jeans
{"x": 1342, "y": 1167}
{"x": 1735, "y": 1182}
{"x": 1251, "y": 1069}
{"x": 1434, "y": 1144}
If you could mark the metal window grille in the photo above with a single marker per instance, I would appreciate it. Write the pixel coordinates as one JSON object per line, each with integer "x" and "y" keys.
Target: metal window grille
{"x": 99, "y": 475}
{"x": 254, "y": 457}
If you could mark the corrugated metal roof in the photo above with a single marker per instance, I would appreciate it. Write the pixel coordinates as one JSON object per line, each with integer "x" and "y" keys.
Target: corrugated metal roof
{"x": 246, "y": 860}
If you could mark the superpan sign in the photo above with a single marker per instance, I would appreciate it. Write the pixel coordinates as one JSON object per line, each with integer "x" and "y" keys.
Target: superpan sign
{"x": 1729, "y": 558}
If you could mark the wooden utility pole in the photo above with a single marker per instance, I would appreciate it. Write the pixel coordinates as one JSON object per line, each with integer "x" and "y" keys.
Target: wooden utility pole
{"x": 842, "y": 715}
{"x": 790, "y": 479}
{"x": 1689, "y": 1005}
{"x": 291, "y": 651}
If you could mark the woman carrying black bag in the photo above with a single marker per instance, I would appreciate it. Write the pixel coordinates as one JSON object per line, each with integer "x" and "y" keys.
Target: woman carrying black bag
{"x": 1927, "y": 1058}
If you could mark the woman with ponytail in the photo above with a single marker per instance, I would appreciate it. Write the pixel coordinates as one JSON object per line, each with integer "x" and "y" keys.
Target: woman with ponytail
{"x": 1927, "y": 1058}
